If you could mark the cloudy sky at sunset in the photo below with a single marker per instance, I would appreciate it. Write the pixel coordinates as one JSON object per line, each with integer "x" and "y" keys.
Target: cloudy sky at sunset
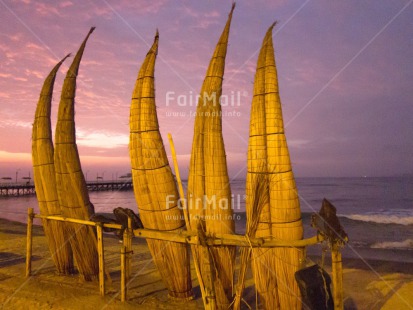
{"x": 345, "y": 72}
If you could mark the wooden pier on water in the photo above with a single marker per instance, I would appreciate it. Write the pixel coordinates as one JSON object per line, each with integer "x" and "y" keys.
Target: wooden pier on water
{"x": 20, "y": 189}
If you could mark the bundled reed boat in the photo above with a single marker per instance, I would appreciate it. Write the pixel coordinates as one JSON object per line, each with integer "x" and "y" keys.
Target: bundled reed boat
{"x": 153, "y": 183}
{"x": 280, "y": 217}
{"x": 72, "y": 192}
{"x": 209, "y": 193}
{"x": 45, "y": 180}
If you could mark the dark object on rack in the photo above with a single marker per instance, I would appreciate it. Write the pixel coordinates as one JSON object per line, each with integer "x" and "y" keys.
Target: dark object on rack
{"x": 328, "y": 225}
{"x": 122, "y": 215}
{"x": 314, "y": 284}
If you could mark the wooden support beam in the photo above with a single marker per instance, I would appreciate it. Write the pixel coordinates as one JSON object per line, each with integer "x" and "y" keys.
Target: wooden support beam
{"x": 30, "y": 216}
{"x": 123, "y": 276}
{"x": 224, "y": 239}
{"x": 206, "y": 260}
{"x": 337, "y": 270}
{"x": 101, "y": 259}
{"x": 67, "y": 219}
{"x": 127, "y": 242}
{"x": 190, "y": 237}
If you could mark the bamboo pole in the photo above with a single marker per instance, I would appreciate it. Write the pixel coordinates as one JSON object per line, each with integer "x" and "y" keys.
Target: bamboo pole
{"x": 29, "y": 242}
{"x": 101, "y": 259}
{"x": 123, "y": 276}
{"x": 337, "y": 270}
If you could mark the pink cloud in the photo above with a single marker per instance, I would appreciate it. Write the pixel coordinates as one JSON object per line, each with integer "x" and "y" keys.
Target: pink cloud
{"x": 141, "y": 7}
{"x": 205, "y": 23}
{"x": 46, "y": 9}
{"x": 38, "y": 74}
{"x": 5, "y": 95}
{"x": 212, "y": 14}
{"x": 66, "y": 4}
{"x": 35, "y": 46}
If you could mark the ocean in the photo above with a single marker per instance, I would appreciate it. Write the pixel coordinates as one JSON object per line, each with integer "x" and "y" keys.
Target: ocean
{"x": 376, "y": 213}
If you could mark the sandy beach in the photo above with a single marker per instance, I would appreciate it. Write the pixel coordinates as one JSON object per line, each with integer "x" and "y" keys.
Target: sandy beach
{"x": 387, "y": 285}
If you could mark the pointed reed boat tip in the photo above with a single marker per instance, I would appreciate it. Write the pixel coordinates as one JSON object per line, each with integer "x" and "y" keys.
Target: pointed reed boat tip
{"x": 154, "y": 48}
{"x": 62, "y": 60}
{"x": 67, "y": 56}
{"x": 89, "y": 33}
{"x": 232, "y": 7}
{"x": 273, "y": 25}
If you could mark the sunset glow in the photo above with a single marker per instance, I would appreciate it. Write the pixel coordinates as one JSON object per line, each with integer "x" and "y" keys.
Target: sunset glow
{"x": 345, "y": 73}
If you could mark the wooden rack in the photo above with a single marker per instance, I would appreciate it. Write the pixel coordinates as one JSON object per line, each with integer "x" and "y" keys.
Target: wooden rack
{"x": 182, "y": 237}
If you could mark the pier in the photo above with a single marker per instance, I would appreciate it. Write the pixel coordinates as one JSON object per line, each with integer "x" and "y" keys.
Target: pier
{"x": 20, "y": 189}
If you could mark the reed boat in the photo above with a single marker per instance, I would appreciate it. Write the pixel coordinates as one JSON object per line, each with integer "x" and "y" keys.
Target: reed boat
{"x": 154, "y": 185}
{"x": 71, "y": 187}
{"x": 209, "y": 192}
{"x": 280, "y": 216}
{"x": 45, "y": 180}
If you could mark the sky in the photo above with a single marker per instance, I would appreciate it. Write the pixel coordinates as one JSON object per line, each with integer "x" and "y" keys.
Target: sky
{"x": 345, "y": 73}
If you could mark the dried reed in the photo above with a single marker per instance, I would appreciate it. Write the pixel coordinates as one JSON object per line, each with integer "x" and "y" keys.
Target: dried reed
{"x": 260, "y": 199}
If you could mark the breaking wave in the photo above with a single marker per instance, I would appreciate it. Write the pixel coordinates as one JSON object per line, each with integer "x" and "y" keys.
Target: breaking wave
{"x": 381, "y": 218}
{"x": 404, "y": 245}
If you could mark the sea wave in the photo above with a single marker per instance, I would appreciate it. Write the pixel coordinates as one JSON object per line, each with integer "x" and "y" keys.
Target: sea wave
{"x": 405, "y": 245}
{"x": 381, "y": 218}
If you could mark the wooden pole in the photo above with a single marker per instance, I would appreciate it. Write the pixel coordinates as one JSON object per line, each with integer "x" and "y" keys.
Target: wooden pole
{"x": 101, "y": 259}
{"x": 127, "y": 242}
{"x": 337, "y": 270}
{"x": 178, "y": 178}
{"x": 73, "y": 220}
{"x": 123, "y": 276}
{"x": 186, "y": 217}
{"x": 239, "y": 288}
{"x": 190, "y": 237}
{"x": 205, "y": 258}
{"x": 29, "y": 242}
{"x": 224, "y": 239}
